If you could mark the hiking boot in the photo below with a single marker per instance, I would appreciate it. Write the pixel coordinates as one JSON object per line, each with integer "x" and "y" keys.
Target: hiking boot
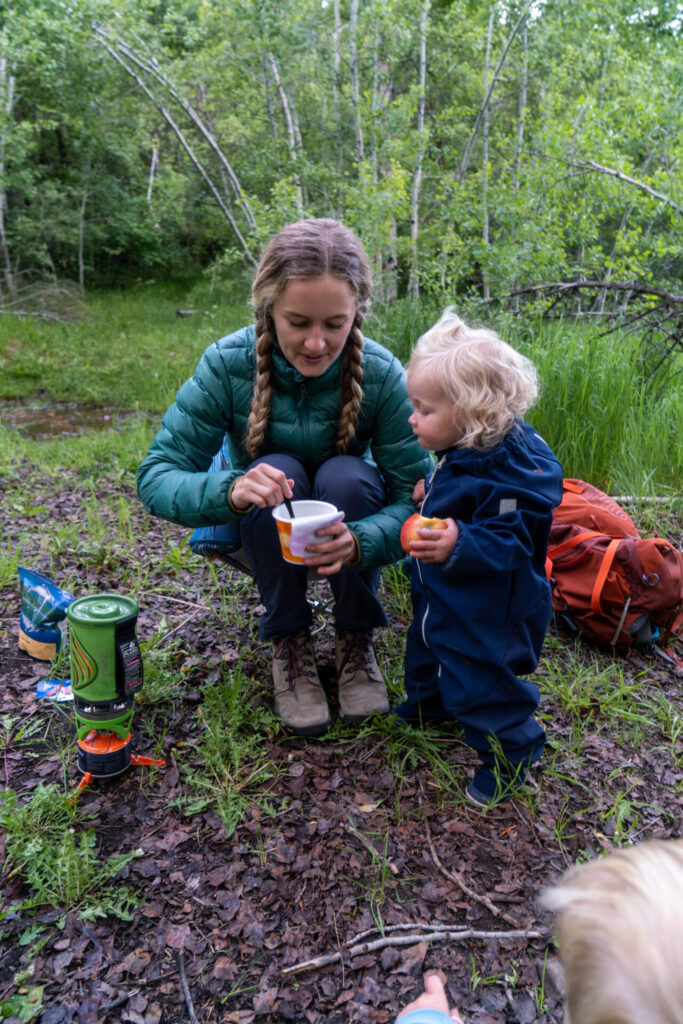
{"x": 490, "y": 790}
{"x": 362, "y": 692}
{"x": 299, "y": 698}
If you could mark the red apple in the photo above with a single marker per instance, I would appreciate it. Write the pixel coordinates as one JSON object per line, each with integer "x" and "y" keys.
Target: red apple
{"x": 417, "y": 522}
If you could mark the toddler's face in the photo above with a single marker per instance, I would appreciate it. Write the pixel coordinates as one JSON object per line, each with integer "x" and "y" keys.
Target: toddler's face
{"x": 433, "y": 419}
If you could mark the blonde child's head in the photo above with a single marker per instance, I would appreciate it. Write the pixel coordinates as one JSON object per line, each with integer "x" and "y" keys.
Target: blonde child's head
{"x": 620, "y": 935}
{"x": 488, "y": 383}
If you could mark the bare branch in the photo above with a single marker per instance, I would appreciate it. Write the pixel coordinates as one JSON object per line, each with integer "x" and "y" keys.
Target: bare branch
{"x": 639, "y": 289}
{"x": 442, "y": 935}
{"x": 638, "y": 184}
{"x": 166, "y": 114}
{"x": 464, "y": 164}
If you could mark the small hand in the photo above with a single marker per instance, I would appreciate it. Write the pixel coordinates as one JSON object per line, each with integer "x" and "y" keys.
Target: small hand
{"x": 435, "y": 545}
{"x": 433, "y": 998}
{"x": 419, "y": 492}
{"x": 262, "y": 485}
{"x": 330, "y": 555}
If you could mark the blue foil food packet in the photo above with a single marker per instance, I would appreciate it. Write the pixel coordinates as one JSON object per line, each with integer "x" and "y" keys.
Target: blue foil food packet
{"x": 54, "y": 689}
{"x": 43, "y": 615}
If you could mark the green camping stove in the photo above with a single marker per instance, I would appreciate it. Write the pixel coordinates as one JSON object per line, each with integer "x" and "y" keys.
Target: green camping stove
{"x": 106, "y": 673}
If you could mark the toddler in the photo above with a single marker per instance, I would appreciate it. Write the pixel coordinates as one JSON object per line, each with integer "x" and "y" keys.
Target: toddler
{"x": 619, "y": 936}
{"x": 481, "y": 600}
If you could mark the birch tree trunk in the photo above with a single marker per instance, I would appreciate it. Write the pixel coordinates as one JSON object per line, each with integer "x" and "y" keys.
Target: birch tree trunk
{"x": 336, "y": 69}
{"x": 291, "y": 129}
{"x": 519, "y": 134}
{"x": 485, "y": 160}
{"x": 168, "y": 117}
{"x": 521, "y": 107}
{"x": 123, "y": 52}
{"x": 355, "y": 80}
{"x": 414, "y": 278}
{"x": 81, "y": 234}
{"x": 7, "y": 103}
{"x": 464, "y": 163}
{"x": 153, "y": 164}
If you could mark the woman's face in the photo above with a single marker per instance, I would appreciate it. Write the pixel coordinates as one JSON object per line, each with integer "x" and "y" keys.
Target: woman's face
{"x": 313, "y": 317}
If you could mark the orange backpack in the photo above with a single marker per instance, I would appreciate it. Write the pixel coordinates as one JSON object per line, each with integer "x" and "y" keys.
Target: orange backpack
{"x": 614, "y": 586}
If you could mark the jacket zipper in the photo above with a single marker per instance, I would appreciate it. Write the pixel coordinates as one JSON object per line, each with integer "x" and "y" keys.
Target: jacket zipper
{"x": 304, "y": 421}
{"x": 423, "y": 624}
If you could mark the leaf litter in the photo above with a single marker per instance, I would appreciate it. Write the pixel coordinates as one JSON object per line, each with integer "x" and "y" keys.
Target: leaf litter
{"x": 356, "y": 864}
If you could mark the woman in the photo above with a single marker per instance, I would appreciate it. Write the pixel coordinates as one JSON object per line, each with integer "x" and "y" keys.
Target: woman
{"x": 311, "y": 409}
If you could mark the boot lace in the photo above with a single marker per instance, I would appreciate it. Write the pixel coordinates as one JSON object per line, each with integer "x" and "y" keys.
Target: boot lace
{"x": 359, "y": 652}
{"x": 298, "y": 654}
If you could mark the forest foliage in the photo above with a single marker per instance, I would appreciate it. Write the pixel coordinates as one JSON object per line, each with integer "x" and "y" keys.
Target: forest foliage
{"x": 476, "y": 148}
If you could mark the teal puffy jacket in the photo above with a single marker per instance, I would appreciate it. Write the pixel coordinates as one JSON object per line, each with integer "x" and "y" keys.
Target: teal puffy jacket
{"x": 173, "y": 481}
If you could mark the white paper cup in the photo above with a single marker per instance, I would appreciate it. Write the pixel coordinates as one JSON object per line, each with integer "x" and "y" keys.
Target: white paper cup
{"x": 296, "y": 534}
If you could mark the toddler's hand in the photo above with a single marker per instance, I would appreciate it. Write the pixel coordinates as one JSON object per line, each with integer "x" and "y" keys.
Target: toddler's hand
{"x": 435, "y": 545}
{"x": 419, "y": 492}
{"x": 433, "y": 998}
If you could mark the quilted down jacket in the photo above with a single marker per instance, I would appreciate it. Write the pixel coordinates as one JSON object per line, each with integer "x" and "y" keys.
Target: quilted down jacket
{"x": 173, "y": 481}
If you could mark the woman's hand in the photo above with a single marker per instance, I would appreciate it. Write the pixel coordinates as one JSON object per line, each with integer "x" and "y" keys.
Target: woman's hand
{"x": 433, "y": 998}
{"x": 330, "y": 555}
{"x": 435, "y": 545}
{"x": 262, "y": 485}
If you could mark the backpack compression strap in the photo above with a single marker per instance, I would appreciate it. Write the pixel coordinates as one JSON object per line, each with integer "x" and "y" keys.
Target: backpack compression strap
{"x": 605, "y": 565}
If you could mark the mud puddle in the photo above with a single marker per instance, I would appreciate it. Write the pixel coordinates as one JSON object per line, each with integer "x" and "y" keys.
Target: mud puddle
{"x": 42, "y": 420}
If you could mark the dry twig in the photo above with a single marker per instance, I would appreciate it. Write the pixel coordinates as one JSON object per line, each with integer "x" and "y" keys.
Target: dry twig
{"x": 180, "y": 960}
{"x": 352, "y": 830}
{"x": 453, "y": 877}
{"x": 439, "y": 934}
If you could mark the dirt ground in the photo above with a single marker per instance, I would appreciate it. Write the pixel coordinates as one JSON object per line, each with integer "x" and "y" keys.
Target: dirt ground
{"x": 358, "y": 842}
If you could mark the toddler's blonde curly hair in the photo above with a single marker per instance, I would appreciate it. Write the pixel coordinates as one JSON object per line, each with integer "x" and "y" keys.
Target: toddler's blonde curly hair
{"x": 489, "y": 383}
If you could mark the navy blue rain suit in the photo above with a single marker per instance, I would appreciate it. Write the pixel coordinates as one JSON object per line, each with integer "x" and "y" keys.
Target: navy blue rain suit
{"x": 480, "y": 617}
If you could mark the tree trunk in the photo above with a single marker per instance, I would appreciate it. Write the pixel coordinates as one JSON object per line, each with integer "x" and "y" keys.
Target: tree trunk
{"x": 464, "y": 163}
{"x": 387, "y": 260}
{"x": 521, "y": 117}
{"x": 122, "y": 52}
{"x": 81, "y": 232}
{"x": 291, "y": 129}
{"x": 355, "y": 86}
{"x": 336, "y": 67}
{"x": 167, "y": 116}
{"x": 521, "y": 106}
{"x": 485, "y": 161}
{"x": 7, "y": 100}
{"x": 269, "y": 104}
{"x": 153, "y": 164}
{"x": 414, "y": 279}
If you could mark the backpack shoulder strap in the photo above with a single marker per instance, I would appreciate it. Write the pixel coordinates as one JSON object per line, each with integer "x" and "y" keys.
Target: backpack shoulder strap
{"x": 604, "y": 569}
{"x": 573, "y": 542}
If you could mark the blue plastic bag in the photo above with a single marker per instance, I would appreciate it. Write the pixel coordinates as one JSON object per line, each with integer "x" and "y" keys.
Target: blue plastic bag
{"x": 43, "y": 615}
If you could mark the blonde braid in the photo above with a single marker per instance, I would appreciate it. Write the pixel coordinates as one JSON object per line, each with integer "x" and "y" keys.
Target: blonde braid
{"x": 351, "y": 389}
{"x": 263, "y": 390}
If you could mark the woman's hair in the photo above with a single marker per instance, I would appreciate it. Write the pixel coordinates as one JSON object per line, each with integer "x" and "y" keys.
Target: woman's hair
{"x": 620, "y": 935}
{"x": 488, "y": 382}
{"x": 306, "y": 250}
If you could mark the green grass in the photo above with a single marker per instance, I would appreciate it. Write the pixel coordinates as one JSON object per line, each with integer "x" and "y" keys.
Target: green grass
{"x": 130, "y": 351}
{"x": 55, "y": 855}
{"x": 606, "y": 421}
{"x": 231, "y": 768}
